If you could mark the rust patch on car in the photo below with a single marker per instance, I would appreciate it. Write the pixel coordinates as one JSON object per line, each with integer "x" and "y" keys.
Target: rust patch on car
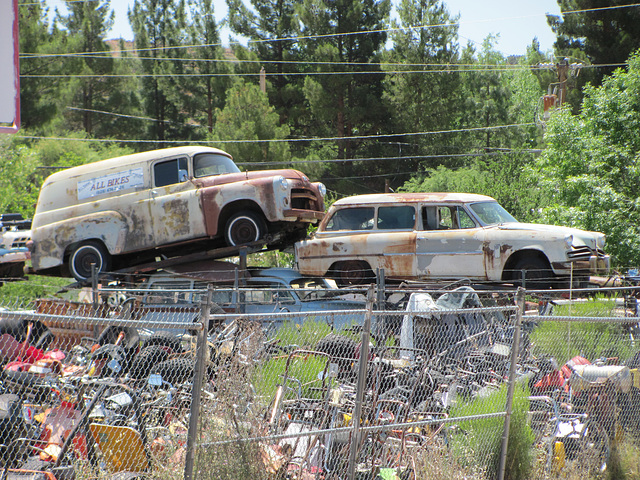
{"x": 337, "y": 247}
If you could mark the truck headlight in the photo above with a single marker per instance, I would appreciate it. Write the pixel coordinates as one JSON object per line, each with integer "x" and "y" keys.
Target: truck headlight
{"x": 322, "y": 189}
{"x": 281, "y": 182}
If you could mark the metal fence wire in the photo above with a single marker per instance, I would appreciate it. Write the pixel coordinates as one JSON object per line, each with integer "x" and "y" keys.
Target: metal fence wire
{"x": 417, "y": 384}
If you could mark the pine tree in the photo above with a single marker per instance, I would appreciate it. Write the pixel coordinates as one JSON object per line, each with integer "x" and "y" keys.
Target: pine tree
{"x": 347, "y": 36}
{"x": 87, "y": 24}
{"x": 159, "y": 30}
{"x": 607, "y": 36}
{"x": 205, "y": 89}
{"x": 38, "y": 92}
{"x": 272, "y": 29}
{"x": 427, "y": 98}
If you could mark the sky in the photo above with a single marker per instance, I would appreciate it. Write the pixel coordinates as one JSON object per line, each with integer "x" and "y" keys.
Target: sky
{"x": 516, "y": 22}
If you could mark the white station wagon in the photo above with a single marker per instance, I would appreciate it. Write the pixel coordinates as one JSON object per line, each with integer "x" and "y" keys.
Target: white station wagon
{"x": 445, "y": 236}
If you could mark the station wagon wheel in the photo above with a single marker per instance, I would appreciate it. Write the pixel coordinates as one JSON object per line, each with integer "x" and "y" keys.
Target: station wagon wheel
{"x": 84, "y": 256}
{"x": 352, "y": 272}
{"x": 244, "y": 227}
{"x": 537, "y": 273}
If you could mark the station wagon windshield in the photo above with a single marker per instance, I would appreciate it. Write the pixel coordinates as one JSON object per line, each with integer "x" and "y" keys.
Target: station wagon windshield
{"x": 491, "y": 213}
{"x": 310, "y": 289}
{"x": 205, "y": 164}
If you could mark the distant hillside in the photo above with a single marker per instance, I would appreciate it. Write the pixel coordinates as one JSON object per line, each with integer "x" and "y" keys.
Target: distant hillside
{"x": 114, "y": 45}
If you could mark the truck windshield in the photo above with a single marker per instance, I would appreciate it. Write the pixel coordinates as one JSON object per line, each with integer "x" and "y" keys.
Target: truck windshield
{"x": 205, "y": 164}
{"x": 491, "y": 213}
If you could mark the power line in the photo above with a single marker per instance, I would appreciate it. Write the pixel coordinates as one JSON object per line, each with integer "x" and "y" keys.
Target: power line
{"x": 234, "y": 61}
{"x": 136, "y": 117}
{"x": 366, "y": 32}
{"x": 449, "y": 66}
{"x": 67, "y": 1}
{"x": 305, "y": 74}
{"x": 378, "y": 159}
{"x": 291, "y": 140}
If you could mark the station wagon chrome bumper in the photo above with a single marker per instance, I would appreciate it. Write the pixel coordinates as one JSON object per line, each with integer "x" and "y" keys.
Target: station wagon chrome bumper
{"x": 593, "y": 264}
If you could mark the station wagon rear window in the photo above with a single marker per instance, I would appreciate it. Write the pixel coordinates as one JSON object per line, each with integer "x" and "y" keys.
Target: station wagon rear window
{"x": 401, "y": 217}
{"x": 359, "y": 218}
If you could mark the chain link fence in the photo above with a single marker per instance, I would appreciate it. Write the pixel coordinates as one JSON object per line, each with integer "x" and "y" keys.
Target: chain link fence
{"x": 415, "y": 384}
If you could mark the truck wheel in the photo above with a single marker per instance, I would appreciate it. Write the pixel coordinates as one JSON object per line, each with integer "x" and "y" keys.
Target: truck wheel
{"x": 352, "y": 272}
{"x": 244, "y": 227}
{"x": 84, "y": 256}
{"x": 537, "y": 273}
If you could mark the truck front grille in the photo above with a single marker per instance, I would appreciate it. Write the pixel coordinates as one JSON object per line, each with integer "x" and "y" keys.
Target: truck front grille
{"x": 303, "y": 199}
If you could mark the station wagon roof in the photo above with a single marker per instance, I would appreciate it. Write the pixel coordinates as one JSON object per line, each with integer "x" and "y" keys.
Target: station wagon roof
{"x": 133, "y": 158}
{"x": 435, "y": 197}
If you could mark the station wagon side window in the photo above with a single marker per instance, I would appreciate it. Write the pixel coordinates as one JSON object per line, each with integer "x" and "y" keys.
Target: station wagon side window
{"x": 358, "y": 218}
{"x": 268, "y": 294}
{"x": 464, "y": 220}
{"x": 436, "y": 217}
{"x": 170, "y": 172}
{"x": 396, "y": 218}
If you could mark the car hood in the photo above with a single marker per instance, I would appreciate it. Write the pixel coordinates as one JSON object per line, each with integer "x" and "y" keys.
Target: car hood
{"x": 580, "y": 237}
{"x": 255, "y": 175}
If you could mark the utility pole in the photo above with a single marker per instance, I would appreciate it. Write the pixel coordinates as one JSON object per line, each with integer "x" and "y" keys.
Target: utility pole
{"x": 557, "y": 93}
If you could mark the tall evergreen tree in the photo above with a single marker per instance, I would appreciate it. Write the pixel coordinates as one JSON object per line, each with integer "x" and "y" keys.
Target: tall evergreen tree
{"x": 247, "y": 115}
{"x": 607, "y": 36}
{"x": 270, "y": 24}
{"x": 486, "y": 95}
{"x": 38, "y": 93}
{"x": 425, "y": 98}
{"x": 88, "y": 23}
{"x": 159, "y": 30}
{"x": 204, "y": 92}
{"x": 346, "y": 37}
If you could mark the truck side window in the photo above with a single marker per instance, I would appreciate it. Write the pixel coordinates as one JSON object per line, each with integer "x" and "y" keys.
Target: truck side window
{"x": 170, "y": 172}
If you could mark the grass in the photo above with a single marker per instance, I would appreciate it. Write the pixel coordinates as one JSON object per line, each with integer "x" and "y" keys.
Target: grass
{"x": 479, "y": 442}
{"x": 564, "y": 340}
{"x": 21, "y": 293}
{"x": 303, "y": 376}
{"x": 303, "y": 335}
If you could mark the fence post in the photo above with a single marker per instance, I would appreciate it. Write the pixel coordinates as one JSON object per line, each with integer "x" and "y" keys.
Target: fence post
{"x": 95, "y": 298}
{"x": 515, "y": 347}
{"x": 198, "y": 375}
{"x": 361, "y": 385}
{"x": 380, "y": 299}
